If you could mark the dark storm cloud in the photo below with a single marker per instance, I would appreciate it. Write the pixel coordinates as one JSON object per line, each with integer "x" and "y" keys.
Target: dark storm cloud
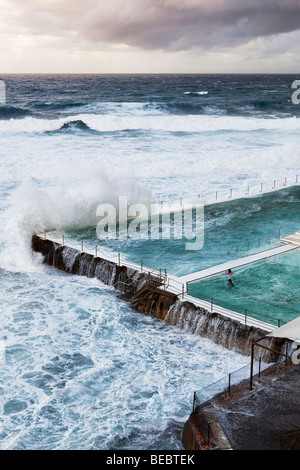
{"x": 182, "y": 25}
{"x": 165, "y": 24}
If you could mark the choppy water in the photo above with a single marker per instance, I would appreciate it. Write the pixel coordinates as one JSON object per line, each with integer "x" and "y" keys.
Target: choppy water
{"x": 79, "y": 369}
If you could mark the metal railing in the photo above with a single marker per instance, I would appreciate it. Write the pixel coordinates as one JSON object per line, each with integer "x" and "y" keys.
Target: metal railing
{"x": 125, "y": 286}
{"x": 209, "y": 400}
{"x": 224, "y": 385}
{"x": 285, "y": 356}
{"x": 257, "y": 241}
{"x": 134, "y": 285}
{"x": 244, "y": 313}
{"x": 231, "y": 194}
{"x": 245, "y": 373}
{"x": 158, "y": 273}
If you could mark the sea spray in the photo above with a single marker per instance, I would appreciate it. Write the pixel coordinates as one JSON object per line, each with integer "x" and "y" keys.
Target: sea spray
{"x": 140, "y": 390}
{"x": 70, "y": 203}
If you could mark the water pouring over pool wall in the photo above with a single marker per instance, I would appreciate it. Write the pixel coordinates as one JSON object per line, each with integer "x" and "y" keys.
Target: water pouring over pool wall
{"x": 227, "y": 332}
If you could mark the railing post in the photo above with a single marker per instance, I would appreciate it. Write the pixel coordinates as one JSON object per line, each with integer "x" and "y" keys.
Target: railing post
{"x": 182, "y": 291}
{"x": 96, "y": 251}
{"x": 63, "y": 240}
{"x": 261, "y": 187}
{"x": 142, "y": 265}
{"x": 45, "y": 234}
{"x": 119, "y": 259}
{"x": 285, "y": 181}
{"x": 212, "y": 304}
{"x": 230, "y": 194}
{"x": 82, "y": 246}
{"x": 251, "y": 366}
{"x": 259, "y": 367}
{"x": 246, "y": 313}
{"x": 216, "y": 195}
{"x": 296, "y": 179}
{"x": 229, "y": 383}
{"x": 165, "y": 278}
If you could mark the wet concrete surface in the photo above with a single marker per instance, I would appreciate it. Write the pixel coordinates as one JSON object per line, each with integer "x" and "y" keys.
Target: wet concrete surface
{"x": 266, "y": 419}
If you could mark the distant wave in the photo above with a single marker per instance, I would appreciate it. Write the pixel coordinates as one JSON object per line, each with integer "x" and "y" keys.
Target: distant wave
{"x": 10, "y": 112}
{"x": 148, "y": 122}
{"x": 195, "y": 93}
{"x": 71, "y": 126}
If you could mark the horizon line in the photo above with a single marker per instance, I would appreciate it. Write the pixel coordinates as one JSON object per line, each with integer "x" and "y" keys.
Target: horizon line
{"x": 149, "y": 73}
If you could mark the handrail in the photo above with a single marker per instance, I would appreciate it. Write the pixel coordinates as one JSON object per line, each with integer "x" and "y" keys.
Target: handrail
{"x": 225, "y": 381}
{"x": 256, "y": 343}
{"x": 158, "y": 272}
{"x": 123, "y": 283}
{"x": 236, "y": 247}
{"x": 126, "y": 286}
{"x": 254, "y": 190}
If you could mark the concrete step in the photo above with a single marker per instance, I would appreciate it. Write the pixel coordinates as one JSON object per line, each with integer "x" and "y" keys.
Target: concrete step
{"x": 291, "y": 239}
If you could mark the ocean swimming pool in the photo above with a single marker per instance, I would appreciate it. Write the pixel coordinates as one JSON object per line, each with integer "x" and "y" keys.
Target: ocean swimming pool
{"x": 268, "y": 289}
{"x": 225, "y": 226}
{"x": 81, "y": 369}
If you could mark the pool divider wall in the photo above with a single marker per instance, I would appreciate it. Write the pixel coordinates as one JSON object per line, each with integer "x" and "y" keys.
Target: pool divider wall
{"x": 168, "y": 307}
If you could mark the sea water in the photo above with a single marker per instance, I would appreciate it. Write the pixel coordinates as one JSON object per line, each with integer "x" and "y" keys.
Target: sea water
{"x": 79, "y": 368}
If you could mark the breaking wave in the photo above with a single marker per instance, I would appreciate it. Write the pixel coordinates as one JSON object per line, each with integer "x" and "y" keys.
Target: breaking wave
{"x": 68, "y": 204}
{"x": 149, "y": 122}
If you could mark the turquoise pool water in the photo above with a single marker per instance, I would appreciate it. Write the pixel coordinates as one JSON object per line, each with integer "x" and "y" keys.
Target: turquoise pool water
{"x": 225, "y": 226}
{"x": 268, "y": 289}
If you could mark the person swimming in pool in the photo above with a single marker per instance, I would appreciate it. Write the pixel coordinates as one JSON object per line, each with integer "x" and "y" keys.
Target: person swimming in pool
{"x": 230, "y": 283}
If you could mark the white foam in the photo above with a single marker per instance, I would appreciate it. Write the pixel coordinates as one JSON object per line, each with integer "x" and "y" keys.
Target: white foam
{"x": 195, "y": 93}
{"x": 150, "y": 122}
{"x": 69, "y": 204}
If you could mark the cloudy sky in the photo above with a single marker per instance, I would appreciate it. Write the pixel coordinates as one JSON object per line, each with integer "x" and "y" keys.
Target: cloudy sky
{"x": 149, "y": 36}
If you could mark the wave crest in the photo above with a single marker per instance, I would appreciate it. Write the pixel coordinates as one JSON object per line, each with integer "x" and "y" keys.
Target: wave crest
{"x": 148, "y": 122}
{"x": 69, "y": 204}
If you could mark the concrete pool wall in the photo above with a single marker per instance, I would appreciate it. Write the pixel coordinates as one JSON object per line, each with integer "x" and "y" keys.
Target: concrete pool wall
{"x": 154, "y": 301}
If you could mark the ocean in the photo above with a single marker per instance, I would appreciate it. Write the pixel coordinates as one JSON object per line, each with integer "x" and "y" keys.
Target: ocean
{"x": 79, "y": 368}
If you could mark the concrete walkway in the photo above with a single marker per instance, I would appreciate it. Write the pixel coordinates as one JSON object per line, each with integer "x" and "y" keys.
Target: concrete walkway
{"x": 237, "y": 263}
{"x": 268, "y": 418}
{"x": 178, "y": 285}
